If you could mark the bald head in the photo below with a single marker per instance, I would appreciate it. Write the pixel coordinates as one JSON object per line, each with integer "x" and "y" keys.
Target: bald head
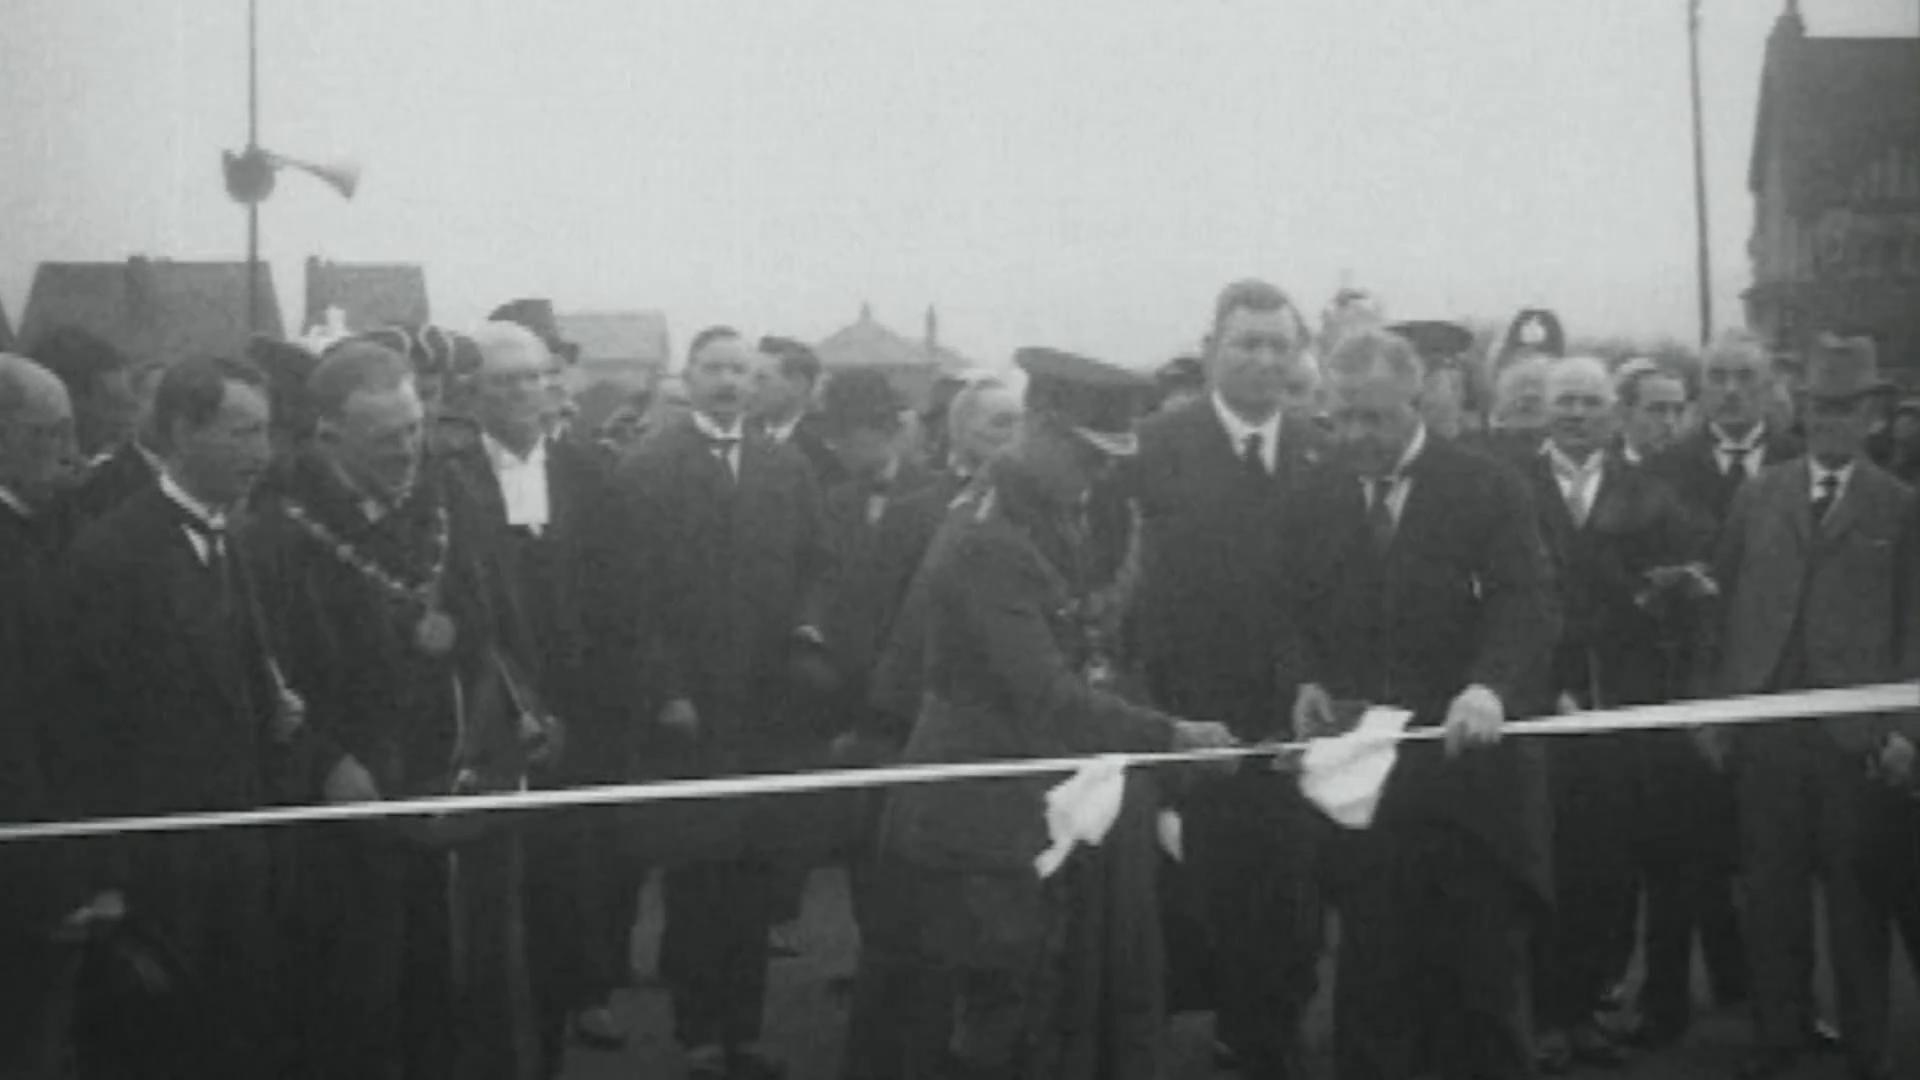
{"x": 511, "y": 397}
{"x": 1520, "y": 395}
{"x": 36, "y": 430}
{"x": 1580, "y": 399}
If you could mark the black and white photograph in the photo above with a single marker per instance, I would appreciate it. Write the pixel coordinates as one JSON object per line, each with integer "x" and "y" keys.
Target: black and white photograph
{"x": 990, "y": 540}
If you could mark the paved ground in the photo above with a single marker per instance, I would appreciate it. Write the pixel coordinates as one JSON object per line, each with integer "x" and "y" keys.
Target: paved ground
{"x": 805, "y": 1021}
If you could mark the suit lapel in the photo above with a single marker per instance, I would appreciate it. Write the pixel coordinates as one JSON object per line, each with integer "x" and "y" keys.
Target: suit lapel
{"x": 193, "y": 598}
{"x": 1559, "y": 519}
{"x": 1846, "y": 509}
{"x": 1796, "y": 501}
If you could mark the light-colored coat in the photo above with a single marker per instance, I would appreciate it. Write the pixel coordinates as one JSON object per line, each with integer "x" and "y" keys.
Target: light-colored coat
{"x": 1860, "y": 597}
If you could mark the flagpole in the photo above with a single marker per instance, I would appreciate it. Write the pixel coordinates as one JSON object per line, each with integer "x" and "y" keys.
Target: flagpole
{"x": 1702, "y": 255}
{"x": 253, "y": 149}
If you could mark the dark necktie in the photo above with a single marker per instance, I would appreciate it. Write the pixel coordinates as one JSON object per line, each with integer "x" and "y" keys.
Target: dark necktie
{"x": 1825, "y": 492}
{"x": 1737, "y": 462}
{"x": 1251, "y": 454}
{"x": 1380, "y": 511}
{"x": 723, "y": 447}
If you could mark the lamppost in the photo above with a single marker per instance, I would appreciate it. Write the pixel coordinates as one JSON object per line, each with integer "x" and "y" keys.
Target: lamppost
{"x": 250, "y": 173}
{"x": 1702, "y": 256}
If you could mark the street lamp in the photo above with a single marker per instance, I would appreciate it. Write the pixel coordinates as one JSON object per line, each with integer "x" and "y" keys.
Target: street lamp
{"x": 250, "y": 173}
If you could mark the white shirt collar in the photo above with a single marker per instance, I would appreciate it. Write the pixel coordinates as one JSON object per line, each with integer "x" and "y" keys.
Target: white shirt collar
{"x": 1238, "y": 431}
{"x": 783, "y": 432}
{"x": 504, "y": 458}
{"x": 15, "y": 503}
{"x": 712, "y": 429}
{"x": 1817, "y": 472}
{"x": 523, "y": 483}
{"x": 1723, "y": 442}
{"x": 1552, "y": 452}
{"x": 1415, "y": 448}
{"x": 1631, "y": 454}
{"x": 206, "y": 515}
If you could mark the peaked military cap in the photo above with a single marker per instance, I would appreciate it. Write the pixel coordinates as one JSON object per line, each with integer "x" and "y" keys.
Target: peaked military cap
{"x": 1097, "y": 400}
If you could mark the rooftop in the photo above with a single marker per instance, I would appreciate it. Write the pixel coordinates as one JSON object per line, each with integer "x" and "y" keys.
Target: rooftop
{"x": 1830, "y": 106}
{"x": 369, "y": 295}
{"x": 152, "y": 309}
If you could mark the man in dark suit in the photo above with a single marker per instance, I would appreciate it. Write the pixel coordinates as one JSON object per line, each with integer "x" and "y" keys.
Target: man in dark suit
{"x": 1819, "y": 563}
{"x": 1430, "y": 590}
{"x": 861, "y": 418}
{"x": 1212, "y": 484}
{"x": 546, "y": 499}
{"x": 1055, "y": 977}
{"x": 783, "y": 402}
{"x": 1690, "y": 829}
{"x": 1622, "y": 545}
{"x": 112, "y": 400}
{"x": 729, "y": 529}
{"x": 180, "y": 699}
{"x": 389, "y": 610}
{"x": 36, "y": 450}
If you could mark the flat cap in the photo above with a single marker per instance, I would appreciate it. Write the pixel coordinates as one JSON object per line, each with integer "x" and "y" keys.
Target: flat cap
{"x": 1097, "y": 400}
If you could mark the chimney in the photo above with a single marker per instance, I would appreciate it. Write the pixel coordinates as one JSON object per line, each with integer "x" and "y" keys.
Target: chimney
{"x": 140, "y": 287}
{"x": 933, "y": 329}
{"x": 866, "y": 311}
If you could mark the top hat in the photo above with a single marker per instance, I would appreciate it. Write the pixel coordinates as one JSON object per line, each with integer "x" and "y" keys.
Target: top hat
{"x": 537, "y": 316}
{"x": 1096, "y": 400}
{"x": 1842, "y": 368}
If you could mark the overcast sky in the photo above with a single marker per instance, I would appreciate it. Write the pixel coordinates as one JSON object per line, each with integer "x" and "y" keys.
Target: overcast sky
{"x": 1083, "y": 173}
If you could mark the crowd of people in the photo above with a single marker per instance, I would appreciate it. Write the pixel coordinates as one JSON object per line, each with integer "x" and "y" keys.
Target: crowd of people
{"x": 399, "y": 566}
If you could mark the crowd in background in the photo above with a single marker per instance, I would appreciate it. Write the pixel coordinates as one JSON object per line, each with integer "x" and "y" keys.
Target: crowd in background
{"x": 400, "y": 567}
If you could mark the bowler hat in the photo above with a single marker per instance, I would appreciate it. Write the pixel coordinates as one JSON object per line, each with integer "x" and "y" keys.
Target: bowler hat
{"x": 1842, "y": 368}
{"x": 1098, "y": 401}
{"x": 537, "y": 316}
{"x": 859, "y": 398}
{"x": 1434, "y": 339}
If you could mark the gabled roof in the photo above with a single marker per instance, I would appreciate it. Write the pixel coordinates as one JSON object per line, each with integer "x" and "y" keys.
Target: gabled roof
{"x": 618, "y": 338}
{"x": 152, "y": 309}
{"x": 1829, "y": 106}
{"x": 868, "y": 343}
{"x": 369, "y": 295}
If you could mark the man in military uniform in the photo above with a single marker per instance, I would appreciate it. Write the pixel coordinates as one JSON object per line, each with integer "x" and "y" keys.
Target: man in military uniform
{"x": 1033, "y": 965}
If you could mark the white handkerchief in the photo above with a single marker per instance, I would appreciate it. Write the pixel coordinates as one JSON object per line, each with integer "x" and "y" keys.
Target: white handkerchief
{"x": 1345, "y": 774}
{"x": 1082, "y": 809}
{"x": 1172, "y": 839}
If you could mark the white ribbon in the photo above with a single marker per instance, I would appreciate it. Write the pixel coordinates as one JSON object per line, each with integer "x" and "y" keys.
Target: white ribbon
{"x": 1807, "y": 705}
